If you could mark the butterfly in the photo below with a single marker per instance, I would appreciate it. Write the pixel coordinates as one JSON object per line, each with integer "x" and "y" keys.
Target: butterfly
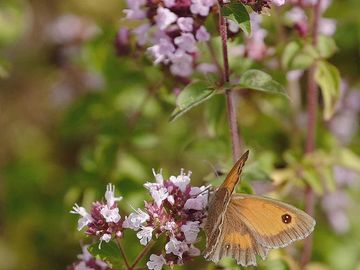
{"x": 242, "y": 226}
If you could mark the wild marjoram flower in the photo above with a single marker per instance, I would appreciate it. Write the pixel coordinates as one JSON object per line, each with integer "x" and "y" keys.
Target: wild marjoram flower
{"x": 177, "y": 211}
{"x": 104, "y": 220}
{"x": 88, "y": 262}
{"x": 174, "y": 29}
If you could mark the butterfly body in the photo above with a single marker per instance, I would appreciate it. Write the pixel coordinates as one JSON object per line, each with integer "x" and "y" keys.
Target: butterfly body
{"x": 243, "y": 226}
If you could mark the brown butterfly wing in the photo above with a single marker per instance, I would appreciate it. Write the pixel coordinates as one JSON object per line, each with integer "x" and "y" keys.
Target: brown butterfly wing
{"x": 218, "y": 204}
{"x": 233, "y": 176}
{"x": 273, "y": 223}
{"x": 236, "y": 241}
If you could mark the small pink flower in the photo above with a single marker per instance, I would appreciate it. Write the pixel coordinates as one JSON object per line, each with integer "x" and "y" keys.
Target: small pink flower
{"x": 145, "y": 235}
{"x": 201, "y": 7}
{"x": 164, "y": 18}
{"x": 162, "y": 51}
{"x": 278, "y": 2}
{"x": 186, "y": 42}
{"x": 202, "y": 34}
{"x": 185, "y": 24}
{"x": 156, "y": 262}
{"x": 191, "y": 230}
{"x": 181, "y": 63}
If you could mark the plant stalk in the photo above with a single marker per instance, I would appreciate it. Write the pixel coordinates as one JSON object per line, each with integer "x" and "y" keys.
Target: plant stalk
{"x": 312, "y": 97}
{"x": 123, "y": 255}
{"x": 142, "y": 254}
{"x": 230, "y": 98}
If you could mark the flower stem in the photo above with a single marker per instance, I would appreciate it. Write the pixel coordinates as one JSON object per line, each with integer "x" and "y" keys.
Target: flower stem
{"x": 123, "y": 254}
{"x": 142, "y": 254}
{"x": 312, "y": 97}
{"x": 230, "y": 99}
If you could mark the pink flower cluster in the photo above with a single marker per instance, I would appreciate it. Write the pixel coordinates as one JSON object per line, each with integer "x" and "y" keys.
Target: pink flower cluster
{"x": 173, "y": 30}
{"x": 177, "y": 211}
{"x": 298, "y": 17}
{"x": 87, "y": 262}
{"x": 104, "y": 220}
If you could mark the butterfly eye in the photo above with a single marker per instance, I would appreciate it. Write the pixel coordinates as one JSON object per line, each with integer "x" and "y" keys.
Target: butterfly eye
{"x": 286, "y": 218}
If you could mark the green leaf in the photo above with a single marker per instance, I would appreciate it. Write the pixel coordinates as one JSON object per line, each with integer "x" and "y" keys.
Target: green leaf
{"x": 108, "y": 253}
{"x": 297, "y": 55}
{"x": 327, "y": 77}
{"x": 326, "y": 46}
{"x": 312, "y": 178}
{"x": 237, "y": 12}
{"x": 261, "y": 81}
{"x": 191, "y": 96}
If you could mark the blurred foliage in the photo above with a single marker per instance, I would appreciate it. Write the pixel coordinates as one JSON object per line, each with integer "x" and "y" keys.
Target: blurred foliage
{"x": 75, "y": 116}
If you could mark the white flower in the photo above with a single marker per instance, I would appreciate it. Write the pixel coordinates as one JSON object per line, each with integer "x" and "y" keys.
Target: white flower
{"x": 157, "y": 192}
{"x": 135, "y": 4}
{"x": 135, "y": 14}
{"x": 181, "y": 64}
{"x": 170, "y": 226}
{"x": 169, "y": 3}
{"x": 158, "y": 176}
{"x": 110, "y": 215}
{"x": 191, "y": 231}
{"x": 106, "y": 237}
{"x": 135, "y": 220}
{"x": 142, "y": 32}
{"x": 165, "y": 17}
{"x": 85, "y": 216}
{"x": 199, "y": 199}
{"x": 193, "y": 251}
{"x": 327, "y": 26}
{"x": 233, "y": 26}
{"x": 161, "y": 53}
{"x": 278, "y": 2}
{"x": 185, "y": 24}
{"x": 134, "y": 11}
{"x": 296, "y": 14}
{"x": 145, "y": 235}
{"x": 186, "y": 42}
{"x": 201, "y": 7}
{"x": 182, "y": 180}
{"x": 176, "y": 247}
{"x": 202, "y": 34}
{"x": 110, "y": 195}
{"x": 206, "y": 68}
{"x": 171, "y": 199}
{"x": 156, "y": 262}
{"x": 82, "y": 266}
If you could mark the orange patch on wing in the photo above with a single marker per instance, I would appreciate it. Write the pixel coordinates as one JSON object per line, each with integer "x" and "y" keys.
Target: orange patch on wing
{"x": 235, "y": 238}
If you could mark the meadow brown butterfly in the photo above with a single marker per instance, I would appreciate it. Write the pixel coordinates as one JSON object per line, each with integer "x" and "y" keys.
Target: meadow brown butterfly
{"x": 242, "y": 226}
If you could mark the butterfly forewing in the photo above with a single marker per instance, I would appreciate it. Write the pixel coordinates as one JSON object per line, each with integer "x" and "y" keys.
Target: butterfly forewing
{"x": 218, "y": 204}
{"x": 233, "y": 176}
{"x": 273, "y": 223}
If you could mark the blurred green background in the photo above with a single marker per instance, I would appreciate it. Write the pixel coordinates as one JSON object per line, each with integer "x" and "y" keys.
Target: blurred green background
{"x": 75, "y": 116}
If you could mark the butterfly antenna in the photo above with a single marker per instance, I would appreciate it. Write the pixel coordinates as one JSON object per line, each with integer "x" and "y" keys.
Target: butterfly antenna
{"x": 212, "y": 167}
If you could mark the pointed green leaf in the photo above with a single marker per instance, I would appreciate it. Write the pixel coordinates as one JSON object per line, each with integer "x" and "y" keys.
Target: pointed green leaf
{"x": 298, "y": 55}
{"x": 237, "y": 12}
{"x": 312, "y": 178}
{"x": 191, "y": 96}
{"x": 261, "y": 81}
{"x": 108, "y": 253}
{"x": 326, "y": 46}
{"x": 327, "y": 77}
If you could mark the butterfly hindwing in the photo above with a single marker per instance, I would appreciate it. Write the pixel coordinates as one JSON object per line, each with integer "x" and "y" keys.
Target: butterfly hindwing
{"x": 236, "y": 241}
{"x": 273, "y": 223}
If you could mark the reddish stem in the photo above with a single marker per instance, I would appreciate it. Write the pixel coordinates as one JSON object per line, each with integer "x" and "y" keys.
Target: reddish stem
{"x": 312, "y": 97}
{"x": 230, "y": 100}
